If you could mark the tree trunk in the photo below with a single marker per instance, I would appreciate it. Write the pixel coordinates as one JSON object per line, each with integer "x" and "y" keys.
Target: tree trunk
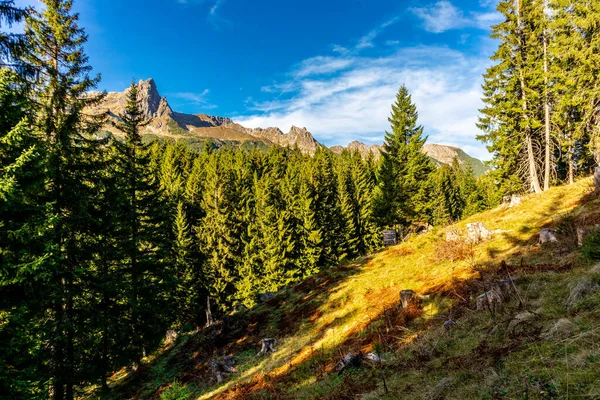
{"x": 209, "y": 318}
{"x": 546, "y": 118}
{"x": 571, "y": 172}
{"x": 533, "y": 176}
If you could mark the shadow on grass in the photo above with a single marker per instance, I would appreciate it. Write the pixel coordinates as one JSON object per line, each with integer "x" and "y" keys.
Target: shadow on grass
{"x": 298, "y": 312}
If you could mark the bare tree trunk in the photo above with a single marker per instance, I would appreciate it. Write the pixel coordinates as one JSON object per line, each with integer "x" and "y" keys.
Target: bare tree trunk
{"x": 571, "y": 165}
{"x": 533, "y": 176}
{"x": 209, "y": 318}
{"x": 546, "y": 118}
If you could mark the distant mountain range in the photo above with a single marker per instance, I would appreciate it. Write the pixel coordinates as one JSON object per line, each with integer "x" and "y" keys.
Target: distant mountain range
{"x": 197, "y": 129}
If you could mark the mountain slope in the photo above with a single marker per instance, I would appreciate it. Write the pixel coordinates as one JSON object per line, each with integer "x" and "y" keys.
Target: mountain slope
{"x": 196, "y": 129}
{"x": 540, "y": 343}
{"x": 438, "y": 153}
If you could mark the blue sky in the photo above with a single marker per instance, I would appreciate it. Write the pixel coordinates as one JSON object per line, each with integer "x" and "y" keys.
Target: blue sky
{"x": 330, "y": 66}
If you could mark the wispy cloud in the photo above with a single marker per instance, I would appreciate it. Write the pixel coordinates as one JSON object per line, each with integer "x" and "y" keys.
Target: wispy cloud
{"x": 214, "y": 16}
{"x": 443, "y": 16}
{"x": 348, "y": 98}
{"x": 199, "y": 99}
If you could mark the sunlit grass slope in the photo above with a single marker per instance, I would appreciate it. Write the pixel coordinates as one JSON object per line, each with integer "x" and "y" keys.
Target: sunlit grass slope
{"x": 356, "y": 308}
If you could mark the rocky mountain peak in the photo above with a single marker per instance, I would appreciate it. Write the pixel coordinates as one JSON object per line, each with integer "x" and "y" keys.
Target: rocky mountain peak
{"x": 150, "y": 98}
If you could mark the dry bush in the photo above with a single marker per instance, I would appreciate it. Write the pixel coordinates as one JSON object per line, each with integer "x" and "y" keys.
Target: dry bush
{"x": 455, "y": 250}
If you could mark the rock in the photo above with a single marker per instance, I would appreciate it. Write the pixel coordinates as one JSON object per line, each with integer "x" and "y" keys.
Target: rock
{"x": 506, "y": 200}
{"x": 515, "y": 200}
{"x": 522, "y": 323}
{"x": 453, "y": 235}
{"x": 268, "y": 346}
{"x": 407, "y": 297}
{"x": 584, "y": 287}
{"x": 476, "y": 232}
{"x": 350, "y": 361}
{"x": 561, "y": 329}
{"x": 583, "y": 231}
{"x": 373, "y": 358}
{"x": 222, "y": 367}
{"x": 490, "y": 300}
{"x": 548, "y": 236}
{"x": 449, "y": 324}
{"x": 597, "y": 178}
{"x": 170, "y": 337}
{"x": 266, "y": 296}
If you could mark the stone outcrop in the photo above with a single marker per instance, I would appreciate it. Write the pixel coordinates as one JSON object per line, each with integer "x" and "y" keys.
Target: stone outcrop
{"x": 548, "y": 236}
{"x": 223, "y": 367}
{"x": 476, "y": 232}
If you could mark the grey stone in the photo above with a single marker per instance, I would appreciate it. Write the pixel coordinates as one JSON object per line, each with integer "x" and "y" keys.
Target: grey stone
{"x": 522, "y": 323}
{"x": 268, "y": 346}
{"x": 548, "y": 236}
{"x": 476, "y": 232}
{"x": 407, "y": 297}
{"x": 584, "y": 287}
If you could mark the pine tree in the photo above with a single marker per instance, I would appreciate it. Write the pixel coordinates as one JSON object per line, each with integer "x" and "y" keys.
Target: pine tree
{"x": 62, "y": 89}
{"x": 404, "y": 168}
{"x": 145, "y": 235}
{"x": 22, "y": 253}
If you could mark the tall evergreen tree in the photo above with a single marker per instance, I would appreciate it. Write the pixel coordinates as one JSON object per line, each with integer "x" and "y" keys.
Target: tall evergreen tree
{"x": 62, "y": 89}
{"x": 404, "y": 168}
{"x": 146, "y": 234}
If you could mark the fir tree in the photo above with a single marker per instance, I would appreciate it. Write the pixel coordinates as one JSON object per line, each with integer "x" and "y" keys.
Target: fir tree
{"x": 404, "y": 169}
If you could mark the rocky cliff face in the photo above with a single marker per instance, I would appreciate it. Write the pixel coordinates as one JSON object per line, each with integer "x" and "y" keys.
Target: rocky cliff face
{"x": 164, "y": 122}
{"x": 439, "y": 154}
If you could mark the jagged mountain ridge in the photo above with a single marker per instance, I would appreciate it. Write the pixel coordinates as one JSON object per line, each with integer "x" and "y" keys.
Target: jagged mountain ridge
{"x": 199, "y": 128}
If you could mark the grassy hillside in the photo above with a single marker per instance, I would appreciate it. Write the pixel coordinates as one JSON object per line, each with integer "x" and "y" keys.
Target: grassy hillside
{"x": 541, "y": 343}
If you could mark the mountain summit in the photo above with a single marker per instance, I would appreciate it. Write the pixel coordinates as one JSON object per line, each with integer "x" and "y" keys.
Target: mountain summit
{"x": 197, "y": 129}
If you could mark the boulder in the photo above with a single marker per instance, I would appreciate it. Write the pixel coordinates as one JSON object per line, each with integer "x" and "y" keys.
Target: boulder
{"x": 222, "y": 367}
{"x": 548, "y": 236}
{"x": 515, "y": 200}
{"x": 476, "y": 232}
{"x": 561, "y": 329}
{"x": 170, "y": 337}
{"x": 522, "y": 323}
{"x": 407, "y": 297}
{"x": 268, "y": 346}
{"x": 266, "y": 296}
{"x": 584, "y": 287}
{"x": 597, "y": 178}
{"x": 351, "y": 360}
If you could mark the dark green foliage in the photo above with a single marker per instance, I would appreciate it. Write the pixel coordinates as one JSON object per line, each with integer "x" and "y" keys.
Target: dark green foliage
{"x": 401, "y": 193}
{"x": 591, "y": 246}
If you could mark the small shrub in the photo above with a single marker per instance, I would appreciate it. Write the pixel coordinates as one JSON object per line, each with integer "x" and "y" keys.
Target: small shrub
{"x": 591, "y": 246}
{"x": 455, "y": 250}
{"x": 177, "y": 391}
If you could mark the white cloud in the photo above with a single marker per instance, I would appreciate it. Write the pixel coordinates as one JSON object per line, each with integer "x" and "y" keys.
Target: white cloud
{"x": 349, "y": 98}
{"x": 443, "y": 16}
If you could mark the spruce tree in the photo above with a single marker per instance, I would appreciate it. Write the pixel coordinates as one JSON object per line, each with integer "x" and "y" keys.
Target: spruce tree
{"x": 145, "y": 234}
{"x": 62, "y": 89}
{"x": 404, "y": 168}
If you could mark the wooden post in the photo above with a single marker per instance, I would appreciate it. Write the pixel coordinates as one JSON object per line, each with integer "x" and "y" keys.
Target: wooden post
{"x": 407, "y": 297}
{"x": 389, "y": 237}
